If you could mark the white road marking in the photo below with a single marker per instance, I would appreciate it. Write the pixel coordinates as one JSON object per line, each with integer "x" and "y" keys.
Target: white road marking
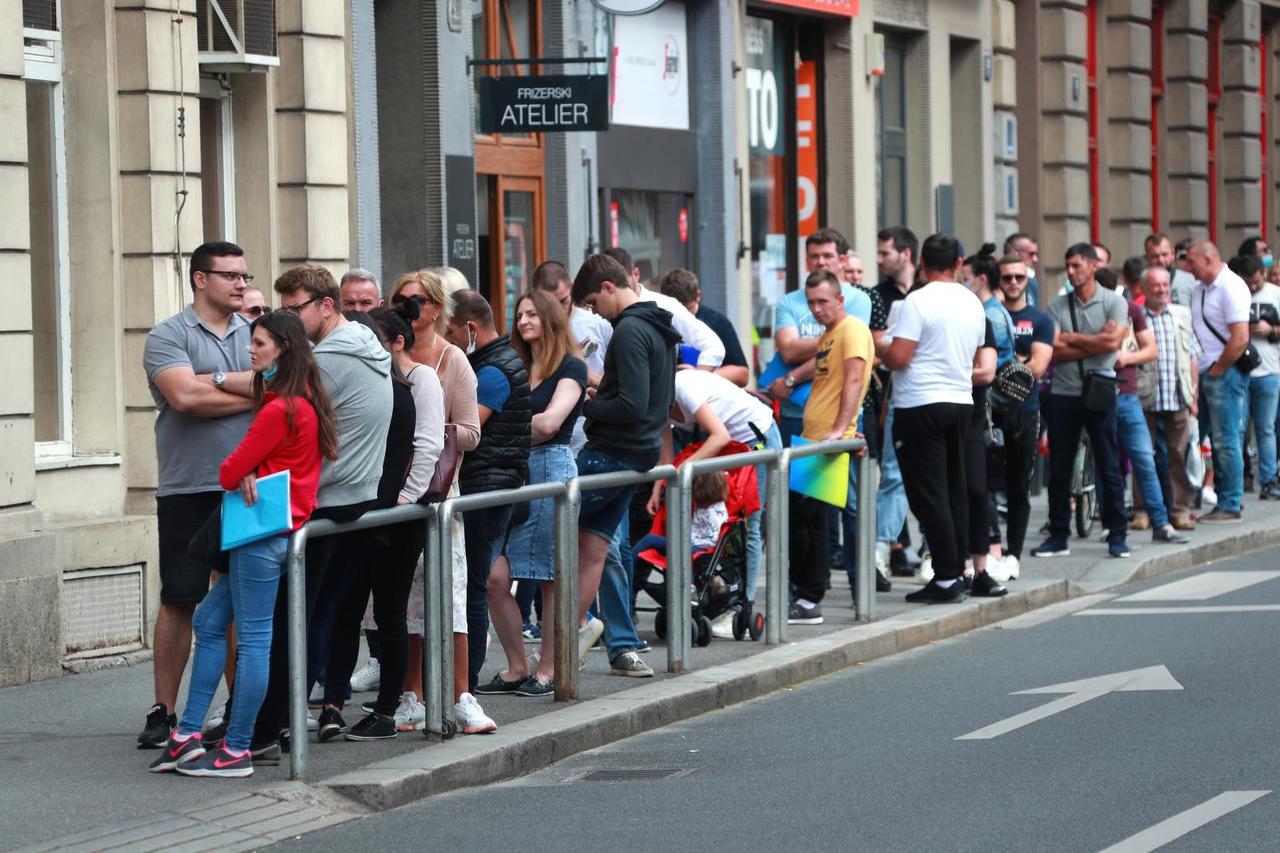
{"x": 1203, "y": 586}
{"x": 1185, "y": 822}
{"x": 1033, "y": 618}
{"x": 1084, "y": 690}
{"x": 1166, "y": 611}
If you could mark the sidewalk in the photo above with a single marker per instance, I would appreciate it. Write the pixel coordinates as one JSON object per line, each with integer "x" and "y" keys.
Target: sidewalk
{"x": 83, "y": 784}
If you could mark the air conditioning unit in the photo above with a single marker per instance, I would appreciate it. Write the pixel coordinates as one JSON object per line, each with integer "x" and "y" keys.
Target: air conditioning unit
{"x": 236, "y": 35}
{"x": 1006, "y": 190}
{"x": 1005, "y": 127}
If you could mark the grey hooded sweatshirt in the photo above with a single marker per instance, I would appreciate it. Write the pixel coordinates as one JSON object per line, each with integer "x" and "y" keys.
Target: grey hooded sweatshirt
{"x": 357, "y": 374}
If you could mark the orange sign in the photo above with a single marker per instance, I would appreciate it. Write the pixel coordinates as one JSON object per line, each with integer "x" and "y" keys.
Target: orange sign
{"x": 807, "y": 146}
{"x": 846, "y": 8}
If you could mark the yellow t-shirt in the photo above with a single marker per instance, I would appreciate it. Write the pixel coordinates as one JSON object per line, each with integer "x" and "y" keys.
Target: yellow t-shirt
{"x": 849, "y": 339}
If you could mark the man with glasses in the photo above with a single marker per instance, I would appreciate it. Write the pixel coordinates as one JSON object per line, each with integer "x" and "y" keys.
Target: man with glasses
{"x": 360, "y": 291}
{"x": 1025, "y": 247}
{"x": 197, "y": 365}
{"x": 254, "y": 304}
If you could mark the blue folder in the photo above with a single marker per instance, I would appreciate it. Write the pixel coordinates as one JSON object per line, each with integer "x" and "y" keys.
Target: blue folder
{"x": 270, "y": 515}
{"x": 777, "y": 367}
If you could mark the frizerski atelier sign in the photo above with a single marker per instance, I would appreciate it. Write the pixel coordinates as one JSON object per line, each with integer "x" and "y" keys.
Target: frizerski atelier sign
{"x": 548, "y": 103}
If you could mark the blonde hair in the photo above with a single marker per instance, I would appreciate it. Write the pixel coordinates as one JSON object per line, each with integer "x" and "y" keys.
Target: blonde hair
{"x": 452, "y": 279}
{"x": 434, "y": 288}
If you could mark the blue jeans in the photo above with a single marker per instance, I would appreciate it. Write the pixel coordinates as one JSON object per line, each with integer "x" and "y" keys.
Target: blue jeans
{"x": 1264, "y": 394}
{"x": 891, "y": 499}
{"x": 1135, "y": 441}
{"x": 614, "y": 599}
{"x": 1226, "y": 396}
{"x": 755, "y": 547}
{"x": 247, "y": 595}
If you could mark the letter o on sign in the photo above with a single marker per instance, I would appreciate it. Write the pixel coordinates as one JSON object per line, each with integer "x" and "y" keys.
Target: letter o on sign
{"x": 768, "y": 112}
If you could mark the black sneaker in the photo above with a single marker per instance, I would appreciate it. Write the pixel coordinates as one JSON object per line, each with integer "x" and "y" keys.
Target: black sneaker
{"x": 267, "y": 754}
{"x": 1118, "y": 548}
{"x": 798, "y": 615}
{"x": 883, "y": 584}
{"x": 985, "y": 586}
{"x": 498, "y": 686}
{"x": 931, "y": 593}
{"x": 159, "y": 726}
{"x": 1168, "y": 535}
{"x": 331, "y": 725}
{"x": 1052, "y": 547}
{"x": 368, "y": 707}
{"x": 531, "y": 686}
{"x": 219, "y": 763}
{"x": 899, "y": 565}
{"x": 177, "y": 753}
{"x": 213, "y": 735}
{"x": 373, "y": 727}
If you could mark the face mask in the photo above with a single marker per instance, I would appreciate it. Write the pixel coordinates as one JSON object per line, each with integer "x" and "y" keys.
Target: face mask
{"x": 1267, "y": 261}
{"x": 270, "y": 372}
{"x": 471, "y": 341}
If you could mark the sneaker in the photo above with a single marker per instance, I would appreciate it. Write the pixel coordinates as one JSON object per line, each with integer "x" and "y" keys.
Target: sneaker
{"x": 931, "y": 593}
{"x": 216, "y": 728}
{"x": 331, "y": 725}
{"x": 926, "y": 569}
{"x": 411, "y": 715}
{"x": 997, "y": 568}
{"x": 498, "y": 685}
{"x": 900, "y": 565}
{"x": 1270, "y": 491}
{"x": 367, "y": 707}
{"x": 985, "y": 586}
{"x": 798, "y": 614}
{"x": 1118, "y": 548}
{"x": 367, "y": 678}
{"x": 373, "y": 727}
{"x": 1012, "y": 565}
{"x": 587, "y": 636}
{"x": 177, "y": 752}
{"x": 1168, "y": 535}
{"x": 722, "y": 625}
{"x": 472, "y": 719}
{"x": 266, "y": 755}
{"x": 1217, "y": 515}
{"x": 1051, "y": 547}
{"x": 160, "y": 723}
{"x": 1208, "y": 495}
{"x": 644, "y": 648}
{"x": 316, "y": 699}
{"x": 220, "y": 762}
{"x": 531, "y": 633}
{"x": 1182, "y": 522}
{"x": 629, "y": 665}
{"x": 883, "y": 584}
{"x": 531, "y": 686}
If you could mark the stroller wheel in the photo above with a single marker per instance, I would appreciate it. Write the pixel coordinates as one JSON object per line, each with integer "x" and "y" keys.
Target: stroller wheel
{"x": 757, "y": 626}
{"x": 660, "y": 623}
{"x": 741, "y": 622}
{"x": 703, "y": 637}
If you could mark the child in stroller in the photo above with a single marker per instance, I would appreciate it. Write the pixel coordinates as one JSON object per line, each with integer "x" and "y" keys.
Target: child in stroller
{"x": 721, "y": 504}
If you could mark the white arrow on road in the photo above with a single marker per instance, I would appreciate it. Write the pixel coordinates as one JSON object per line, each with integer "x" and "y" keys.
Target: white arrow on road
{"x": 1079, "y": 692}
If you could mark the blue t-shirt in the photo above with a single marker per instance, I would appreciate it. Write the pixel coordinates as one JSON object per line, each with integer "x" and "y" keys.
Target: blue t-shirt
{"x": 1001, "y": 328}
{"x": 1030, "y": 325}
{"x": 792, "y": 311}
{"x": 492, "y": 388}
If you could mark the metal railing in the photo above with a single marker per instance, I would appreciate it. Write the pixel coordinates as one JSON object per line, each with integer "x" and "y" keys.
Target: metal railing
{"x": 437, "y": 635}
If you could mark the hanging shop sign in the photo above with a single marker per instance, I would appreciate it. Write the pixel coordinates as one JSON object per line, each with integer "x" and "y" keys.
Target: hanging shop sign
{"x": 845, "y": 8}
{"x": 627, "y": 7}
{"x": 650, "y": 69}
{"x": 547, "y": 103}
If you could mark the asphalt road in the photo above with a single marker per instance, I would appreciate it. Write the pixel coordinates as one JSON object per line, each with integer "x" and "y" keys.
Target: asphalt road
{"x": 875, "y": 758}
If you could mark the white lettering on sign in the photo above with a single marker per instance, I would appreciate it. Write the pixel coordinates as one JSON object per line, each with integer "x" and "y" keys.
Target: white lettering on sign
{"x": 544, "y": 115}
{"x": 762, "y": 108}
{"x": 544, "y": 93}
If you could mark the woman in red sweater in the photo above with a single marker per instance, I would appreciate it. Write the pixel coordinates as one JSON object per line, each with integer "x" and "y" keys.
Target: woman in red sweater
{"x": 292, "y": 430}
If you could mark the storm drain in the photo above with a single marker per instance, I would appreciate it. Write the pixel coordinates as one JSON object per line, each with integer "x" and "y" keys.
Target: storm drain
{"x": 641, "y": 774}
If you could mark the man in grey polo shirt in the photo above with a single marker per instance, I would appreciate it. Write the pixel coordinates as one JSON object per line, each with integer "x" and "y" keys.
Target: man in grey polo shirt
{"x": 197, "y": 365}
{"x": 1091, "y": 323}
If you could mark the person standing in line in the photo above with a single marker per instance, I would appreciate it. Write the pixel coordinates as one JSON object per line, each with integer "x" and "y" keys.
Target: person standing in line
{"x": 682, "y": 285}
{"x": 1220, "y": 312}
{"x": 1027, "y": 249}
{"x": 197, "y": 365}
{"x": 360, "y": 291}
{"x": 1172, "y": 410}
{"x": 293, "y": 429}
{"x": 500, "y": 460}
{"x": 1157, "y": 251}
{"x": 1264, "y": 381}
{"x": 932, "y": 349}
{"x": 254, "y": 304}
{"x": 356, "y": 373}
{"x": 1091, "y": 322}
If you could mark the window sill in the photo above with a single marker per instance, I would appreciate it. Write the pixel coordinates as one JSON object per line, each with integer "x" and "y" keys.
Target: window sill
{"x": 88, "y": 460}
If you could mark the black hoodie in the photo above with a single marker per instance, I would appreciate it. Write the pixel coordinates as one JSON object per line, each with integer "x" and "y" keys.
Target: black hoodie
{"x": 626, "y": 418}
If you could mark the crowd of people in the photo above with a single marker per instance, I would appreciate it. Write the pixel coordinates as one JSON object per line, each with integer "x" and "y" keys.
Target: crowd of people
{"x": 947, "y": 366}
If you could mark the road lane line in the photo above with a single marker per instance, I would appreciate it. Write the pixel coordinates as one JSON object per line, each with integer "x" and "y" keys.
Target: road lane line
{"x": 1185, "y": 822}
{"x": 1166, "y": 611}
{"x": 1026, "y": 718}
{"x": 1203, "y": 586}
{"x": 1032, "y": 618}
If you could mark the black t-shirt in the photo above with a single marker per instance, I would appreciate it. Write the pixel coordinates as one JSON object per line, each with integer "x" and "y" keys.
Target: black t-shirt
{"x": 889, "y": 293}
{"x": 980, "y": 391}
{"x": 723, "y": 327}
{"x": 1030, "y": 325}
{"x": 539, "y": 398}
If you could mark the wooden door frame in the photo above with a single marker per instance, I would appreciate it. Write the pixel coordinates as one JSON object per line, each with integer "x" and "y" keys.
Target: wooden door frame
{"x": 503, "y": 184}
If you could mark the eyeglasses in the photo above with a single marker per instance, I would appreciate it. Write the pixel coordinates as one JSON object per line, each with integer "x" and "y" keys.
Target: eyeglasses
{"x": 400, "y": 299}
{"x": 257, "y": 310}
{"x": 230, "y": 275}
{"x": 1013, "y": 278}
{"x": 297, "y": 309}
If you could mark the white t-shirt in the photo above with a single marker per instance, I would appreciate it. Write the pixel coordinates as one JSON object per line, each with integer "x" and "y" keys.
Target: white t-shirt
{"x": 736, "y": 408}
{"x": 693, "y": 331}
{"x": 1223, "y": 302}
{"x": 948, "y": 325}
{"x": 593, "y": 333}
{"x": 1269, "y": 294}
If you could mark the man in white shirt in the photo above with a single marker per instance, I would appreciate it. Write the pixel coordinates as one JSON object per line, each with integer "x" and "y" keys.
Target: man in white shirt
{"x": 1264, "y": 382}
{"x": 931, "y": 348}
{"x": 1220, "y": 317}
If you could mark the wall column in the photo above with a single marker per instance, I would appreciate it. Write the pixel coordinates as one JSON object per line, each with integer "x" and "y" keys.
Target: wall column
{"x": 1186, "y": 104}
{"x": 1240, "y": 116}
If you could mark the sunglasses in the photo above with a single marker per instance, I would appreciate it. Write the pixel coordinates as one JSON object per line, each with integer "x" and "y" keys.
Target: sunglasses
{"x": 1013, "y": 278}
{"x": 400, "y": 299}
{"x": 257, "y": 310}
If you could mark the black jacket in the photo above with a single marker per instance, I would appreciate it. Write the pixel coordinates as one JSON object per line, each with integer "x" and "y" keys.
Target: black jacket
{"x": 501, "y": 459}
{"x": 633, "y": 405}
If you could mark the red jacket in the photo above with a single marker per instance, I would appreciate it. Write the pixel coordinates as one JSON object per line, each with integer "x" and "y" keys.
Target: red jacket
{"x": 271, "y": 446}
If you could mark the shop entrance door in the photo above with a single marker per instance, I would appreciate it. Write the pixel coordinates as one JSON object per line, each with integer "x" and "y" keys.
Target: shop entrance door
{"x": 512, "y": 239}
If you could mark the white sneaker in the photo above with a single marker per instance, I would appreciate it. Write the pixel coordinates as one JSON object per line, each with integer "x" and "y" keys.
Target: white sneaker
{"x": 1012, "y": 566}
{"x": 587, "y": 636}
{"x": 998, "y": 568}
{"x": 367, "y": 678}
{"x": 471, "y": 717}
{"x": 316, "y": 699}
{"x": 926, "y": 569}
{"x": 722, "y": 625}
{"x": 312, "y": 723}
{"x": 1209, "y": 496}
{"x": 411, "y": 715}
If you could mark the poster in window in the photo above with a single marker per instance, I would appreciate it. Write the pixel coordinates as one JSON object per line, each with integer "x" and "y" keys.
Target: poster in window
{"x": 651, "y": 69}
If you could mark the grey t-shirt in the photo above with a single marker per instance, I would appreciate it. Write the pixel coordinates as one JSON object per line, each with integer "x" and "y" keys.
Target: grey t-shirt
{"x": 1091, "y": 316}
{"x": 190, "y": 449}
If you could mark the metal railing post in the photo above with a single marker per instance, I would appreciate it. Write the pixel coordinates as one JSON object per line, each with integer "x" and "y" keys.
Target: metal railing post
{"x": 296, "y": 587}
{"x": 566, "y": 593}
{"x": 434, "y": 632}
{"x": 444, "y": 616}
{"x": 866, "y": 545}
{"x": 776, "y": 539}
{"x": 679, "y": 569}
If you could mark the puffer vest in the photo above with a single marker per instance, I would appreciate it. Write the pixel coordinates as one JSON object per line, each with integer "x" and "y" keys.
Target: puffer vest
{"x": 501, "y": 459}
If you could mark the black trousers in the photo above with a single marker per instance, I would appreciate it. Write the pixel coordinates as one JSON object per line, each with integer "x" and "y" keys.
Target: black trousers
{"x": 978, "y": 537}
{"x": 1067, "y": 417}
{"x": 1015, "y": 460}
{"x": 930, "y": 441}
{"x": 809, "y": 552}
{"x": 386, "y": 570}
{"x": 485, "y": 531}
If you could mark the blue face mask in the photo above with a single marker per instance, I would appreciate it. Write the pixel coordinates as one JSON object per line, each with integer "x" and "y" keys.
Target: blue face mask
{"x": 270, "y": 372}
{"x": 1267, "y": 261}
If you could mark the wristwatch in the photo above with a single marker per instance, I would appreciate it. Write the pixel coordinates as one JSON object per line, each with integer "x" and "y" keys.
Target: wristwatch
{"x": 218, "y": 379}
{"x": 789, "y": 381}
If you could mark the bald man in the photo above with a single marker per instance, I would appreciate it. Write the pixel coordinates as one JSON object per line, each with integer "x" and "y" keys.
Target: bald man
{"x": 1220, "y": 315}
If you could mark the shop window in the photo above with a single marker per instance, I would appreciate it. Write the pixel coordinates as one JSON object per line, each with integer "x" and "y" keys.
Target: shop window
{"x": 891, "y": 135}
{"x": 654, "y": 229}
{"x": 217, "y": 160}
{"x": 47, "y": 208}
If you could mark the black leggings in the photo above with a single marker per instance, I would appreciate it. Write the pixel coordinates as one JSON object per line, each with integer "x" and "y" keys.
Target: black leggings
{"x": 386, "y": 570}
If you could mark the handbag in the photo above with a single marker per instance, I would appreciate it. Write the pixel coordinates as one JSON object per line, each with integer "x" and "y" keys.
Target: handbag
{"x": 1249, "y": 360}
{"x": 1013, "y": 384}
{"x": 1098, "y": 388}
{"x": 446, "y": 468}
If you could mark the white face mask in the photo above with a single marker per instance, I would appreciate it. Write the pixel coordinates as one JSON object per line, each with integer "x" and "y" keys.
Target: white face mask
{"x": 471, "y": 341}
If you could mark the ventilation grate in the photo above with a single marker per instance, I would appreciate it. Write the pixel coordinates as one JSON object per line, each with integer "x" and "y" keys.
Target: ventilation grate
{"x": 102, "y": 610}
{"x": 40, "y": 14}
{"x": 642, "y": 774}
{"x": 260, "y": 27}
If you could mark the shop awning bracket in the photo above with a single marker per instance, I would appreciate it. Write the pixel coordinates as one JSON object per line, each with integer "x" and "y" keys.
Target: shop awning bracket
{"x": 537, "y": 60}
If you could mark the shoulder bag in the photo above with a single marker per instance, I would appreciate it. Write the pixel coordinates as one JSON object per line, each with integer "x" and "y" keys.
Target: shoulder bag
{"x": 1097, "y": 388}
{"x": 447, "y": 464}
{"x": 1248, "y": 360}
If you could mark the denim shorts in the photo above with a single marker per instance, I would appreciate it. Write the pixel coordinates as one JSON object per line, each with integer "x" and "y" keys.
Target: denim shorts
{"x": 531, "y": 544}
{"x": 602, "y": 509}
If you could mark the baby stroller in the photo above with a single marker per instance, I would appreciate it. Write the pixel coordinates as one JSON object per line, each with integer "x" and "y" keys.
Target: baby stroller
{"x": 719, "y": 573}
